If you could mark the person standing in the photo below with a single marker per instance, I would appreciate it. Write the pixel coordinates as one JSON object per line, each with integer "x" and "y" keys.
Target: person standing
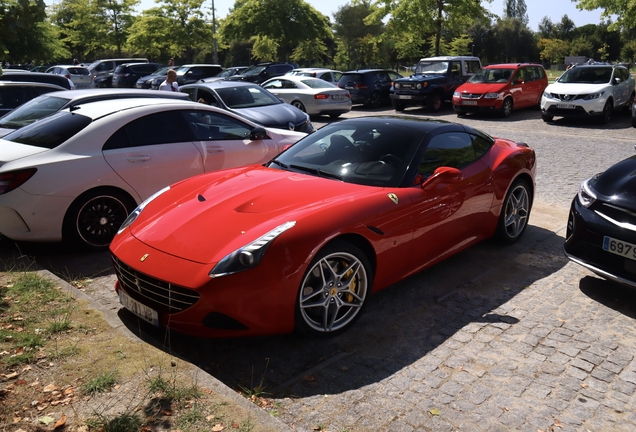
{"x": 170, "y": 84}
{"x": 171, "y": 62}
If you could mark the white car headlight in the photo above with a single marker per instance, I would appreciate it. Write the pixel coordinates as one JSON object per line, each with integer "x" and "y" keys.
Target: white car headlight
{"x": 548, "y": 95}
{"x": 418, "y": 86}
{"x": 457, "y": 94}
{"x": 491, "y": 95}
{"x": 593, "y": 96}
{"x": 397, "y": 85}
{"x": 586, "y": 195}
{"x": 249, "y": 255}
{"x": 132, "y": 216}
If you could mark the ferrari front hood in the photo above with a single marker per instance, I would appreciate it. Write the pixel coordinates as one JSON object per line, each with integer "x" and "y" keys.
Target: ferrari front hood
{"x": 204, "y": 218}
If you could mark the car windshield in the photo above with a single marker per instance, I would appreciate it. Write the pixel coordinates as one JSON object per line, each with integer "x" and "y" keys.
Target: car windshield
{"x": 318, "y": 84}
{"x": 254, "y": 70}
{"x": 31, "y": 111}
{"x": 359, "y": 152}
{"x": 431, "y": 67}
{"x": 162, "y": 71}
{"x": 51, "y": 131}
{"x": 246, "y": 97}
{"x": 491, "y": 76}
{"x": 587, "y": 75}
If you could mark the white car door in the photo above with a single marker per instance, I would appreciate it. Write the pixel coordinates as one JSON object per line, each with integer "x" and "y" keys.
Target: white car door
{"x": 225, "y": 141}
{"x": 153, "y": 151}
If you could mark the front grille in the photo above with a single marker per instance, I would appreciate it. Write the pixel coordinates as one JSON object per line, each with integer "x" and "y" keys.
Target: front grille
{"x": 567, "y": 97}
{"x": 160, "y": 295}
{"x": 470, "y": 96}
{"x": 407, "y": 86}
{"x": 618, "y": 214}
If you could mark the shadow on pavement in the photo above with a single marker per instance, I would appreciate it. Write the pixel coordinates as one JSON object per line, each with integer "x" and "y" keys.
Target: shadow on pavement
{"x": 400, "y": 326}
{"x": 615, "y": 296}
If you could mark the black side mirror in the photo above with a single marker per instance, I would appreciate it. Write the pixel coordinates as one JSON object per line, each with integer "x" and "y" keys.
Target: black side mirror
{"x": 258, "y": 133}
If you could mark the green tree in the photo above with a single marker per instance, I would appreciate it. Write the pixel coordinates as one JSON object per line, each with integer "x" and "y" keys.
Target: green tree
{"x": 116, "y": 17}
{"x": 516, "y": 9}
{"x": 564, "y": 30}
{"x": 425, "y": 17}
{"x": 513, "y": 41}
{"x": 461, "y": 45}
{"x": 547, "y": 29}
{"x": 553, "y": 50}
{"x": 284, "y": 22}
{"x": 358, "y": 35}
{"x": 623, "y": 10}
{"x": 20, "y": 21}
{"x": 79, "y": 27}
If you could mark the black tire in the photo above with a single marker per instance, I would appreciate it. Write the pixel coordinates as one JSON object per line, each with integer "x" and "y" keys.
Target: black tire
{"x": 506, "y": 107}
{"x": 633, "y": 121}
{"x": 375, "y": 101}
{"x": 434, "y": 102}
{"x": 397, "y": 105}
{"x": 607, "y": 112}
{"x": 515, "y": 212}
{"x": 547, "y": 117}
{"x": 299, "y": 105}
{"x": 95, "y": 216}
{"x": 333, "y": 290}
{"x": 630, "y": 102}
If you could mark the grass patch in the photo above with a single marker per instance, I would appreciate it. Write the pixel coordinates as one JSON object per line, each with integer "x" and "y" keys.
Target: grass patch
{"x": 103, "y": 382}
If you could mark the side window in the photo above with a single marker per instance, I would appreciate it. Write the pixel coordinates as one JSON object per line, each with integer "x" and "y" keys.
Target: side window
{"x": 539, "y": 72}
{"x": 191, "y": 93}
{"x": 453, "y": 149}
{"x": 394, "y": 76}
{"x": 159, "y": 128}
{"x": 276, "y": 84}
{"x": 208, "y": 125}
{"x": 481, "y": 145}
{"x": 206, "y": 97}
{"x": 337, "y": 76}
{"x": 326, "y": 76}
{"x": 455, "y": 69}
{"x": 472, "y": 66}
{"x": 289, "y": 84}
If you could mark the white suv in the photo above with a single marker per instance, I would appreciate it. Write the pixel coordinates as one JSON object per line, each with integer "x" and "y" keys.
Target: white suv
{"x": 588, "y": 90}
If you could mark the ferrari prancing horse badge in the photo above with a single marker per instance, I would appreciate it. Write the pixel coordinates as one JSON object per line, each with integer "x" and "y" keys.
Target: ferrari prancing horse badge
{"x": 393, "y": 198}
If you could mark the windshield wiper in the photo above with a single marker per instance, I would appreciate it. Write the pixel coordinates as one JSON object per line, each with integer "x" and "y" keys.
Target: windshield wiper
{"x": 317, "y": 172}
{"x": 279, "y": 163}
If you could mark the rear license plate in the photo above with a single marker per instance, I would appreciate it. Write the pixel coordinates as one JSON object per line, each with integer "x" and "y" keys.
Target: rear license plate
{"x": 141, "y": 310}
{"x": 337, "y": 97}
{"x": 405, "y": 97}
{"x": 566, "y": 106}
{"x": 467, "y": 102}
{"x": 618, "y": 247}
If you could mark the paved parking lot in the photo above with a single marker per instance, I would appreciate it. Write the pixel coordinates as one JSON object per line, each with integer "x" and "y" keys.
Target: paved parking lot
{"x": 496, "y": 338}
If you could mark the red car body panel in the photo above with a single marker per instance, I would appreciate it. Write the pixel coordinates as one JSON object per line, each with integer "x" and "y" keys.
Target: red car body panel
{"x": 186, "y": 231}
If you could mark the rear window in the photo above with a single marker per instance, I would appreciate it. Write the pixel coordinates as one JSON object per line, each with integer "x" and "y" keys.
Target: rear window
{"x": 350, "y": 77}
{"x": 51, "y": 131}
{"x": 78, "y": 71}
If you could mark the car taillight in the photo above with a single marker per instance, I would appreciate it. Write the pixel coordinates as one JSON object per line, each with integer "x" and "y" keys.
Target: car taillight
{"x": 360, "y": 86}
{"x": 13, "y": 179}
{"x": 321, "y": 96}
{"x": 67, "y": 76}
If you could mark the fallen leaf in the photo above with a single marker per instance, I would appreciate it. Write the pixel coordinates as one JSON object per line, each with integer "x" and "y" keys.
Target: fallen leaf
{"x": 42, "y": 407}
{"x": 50, "y": 388}
{"x": 235, "y": 425}
{"x": 434, "y": 411}
{"x": 11, "y": 375}
{"x": 218, "y": 427}
{"x": 69, "y": 391}
{"x": 167, "y": 412}
{"x": 61, "y": 422}
{"x": 17, "y": 419}
{"x": 561, "y": 319}
{"x": 584, "y": 385}
{"x": 558, "y": 424}
{"x": 46, "y": 420}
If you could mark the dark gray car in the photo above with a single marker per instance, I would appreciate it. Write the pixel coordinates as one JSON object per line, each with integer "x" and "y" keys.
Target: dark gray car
{"x": 252, "y": 102}
{"x": 52, "y": 102}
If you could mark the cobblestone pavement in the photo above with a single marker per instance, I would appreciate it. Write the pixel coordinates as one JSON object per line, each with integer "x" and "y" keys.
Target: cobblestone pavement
{"x": 495, "y": 338}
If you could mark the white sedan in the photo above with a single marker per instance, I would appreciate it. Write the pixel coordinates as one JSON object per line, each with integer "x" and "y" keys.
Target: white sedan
{"x": 77, "y": 174}
{"x": 311, "y": 95}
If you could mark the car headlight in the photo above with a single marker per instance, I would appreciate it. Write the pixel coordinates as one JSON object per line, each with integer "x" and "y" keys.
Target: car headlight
{"x": 419, "y": 86}
{"x": 132, "y": 216}
{"x": 397, "y": 85}
{"x": 457, "y": 94}
{"x": 249, "y": 255}
{"x": 586, "y": 195}
{"x": 491, "y": 95}
{"x": 547, "y": 95}
{"x": 593, "y": 96}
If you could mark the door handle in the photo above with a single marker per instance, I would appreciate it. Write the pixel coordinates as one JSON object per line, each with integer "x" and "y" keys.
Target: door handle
{"x": 214, "y": 149}
{"x": 135, "y": 159}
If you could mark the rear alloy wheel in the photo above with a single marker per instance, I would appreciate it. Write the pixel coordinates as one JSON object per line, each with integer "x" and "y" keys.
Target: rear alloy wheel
{"x": 94, "y": 218}
{"x": 515, "y": 212}
{"x": 333, "y": 290}
{"x": 434, "y": 102}
{"x": 299, "y": 105}
{"x": 607, "y": 112}
{"x": 506, "y": 107}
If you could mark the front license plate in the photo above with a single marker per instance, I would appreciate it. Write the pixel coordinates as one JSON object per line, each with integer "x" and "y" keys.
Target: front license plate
{"x": 566, "y": 106}
{"x": 618, "y": 247}
{"x": 469, "y": 102}
{"x": 141, "y": 310}
{"x": 405, "y": 97}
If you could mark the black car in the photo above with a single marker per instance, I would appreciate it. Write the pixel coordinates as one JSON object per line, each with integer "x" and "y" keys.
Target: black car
{"x": 126, "y": 75}
{"x": 190, "y": 73}
{"x": 252, "y": 102}
{"x": 145, "y": 82}
{"x": 104, "y": 80}
{"x": 263, "y": 71}
{"x": 226, "y": 74}
{"x": 26, "y": 76}
{"x": 369, "y": 87}
{"x": 15, "y": 93}
{"x": 601, "y": 230}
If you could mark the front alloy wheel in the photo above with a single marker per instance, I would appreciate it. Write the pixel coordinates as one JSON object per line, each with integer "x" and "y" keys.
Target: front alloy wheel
{"x": 607, "y": 112}
{"x": 333, "y": 291}
{"x": 515, "y": 212}
{"x": 506, "y": 107}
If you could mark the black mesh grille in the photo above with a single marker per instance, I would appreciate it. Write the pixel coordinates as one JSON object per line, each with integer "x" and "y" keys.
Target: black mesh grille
{"x": 160, "y": 295}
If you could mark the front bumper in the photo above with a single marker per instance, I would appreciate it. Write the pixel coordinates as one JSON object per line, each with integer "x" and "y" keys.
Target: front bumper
{"x": 586, "y": 231}
{"x": 576, "y": 108}
{"x": 409, "y": 98}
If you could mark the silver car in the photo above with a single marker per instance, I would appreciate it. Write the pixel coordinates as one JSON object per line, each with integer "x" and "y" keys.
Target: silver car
{"x": 311, "y": 95}
{"x": 79, "y": 75}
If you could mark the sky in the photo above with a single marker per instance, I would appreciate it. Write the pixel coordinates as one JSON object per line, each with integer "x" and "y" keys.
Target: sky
{"x": 537, "y": 9}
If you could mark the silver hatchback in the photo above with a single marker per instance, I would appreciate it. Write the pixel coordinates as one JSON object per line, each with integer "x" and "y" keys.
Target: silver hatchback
{"x": 79, "y": 75}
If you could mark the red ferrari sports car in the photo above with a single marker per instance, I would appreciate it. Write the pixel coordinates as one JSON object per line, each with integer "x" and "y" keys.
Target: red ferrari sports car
{"x": 302, "y": 241}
